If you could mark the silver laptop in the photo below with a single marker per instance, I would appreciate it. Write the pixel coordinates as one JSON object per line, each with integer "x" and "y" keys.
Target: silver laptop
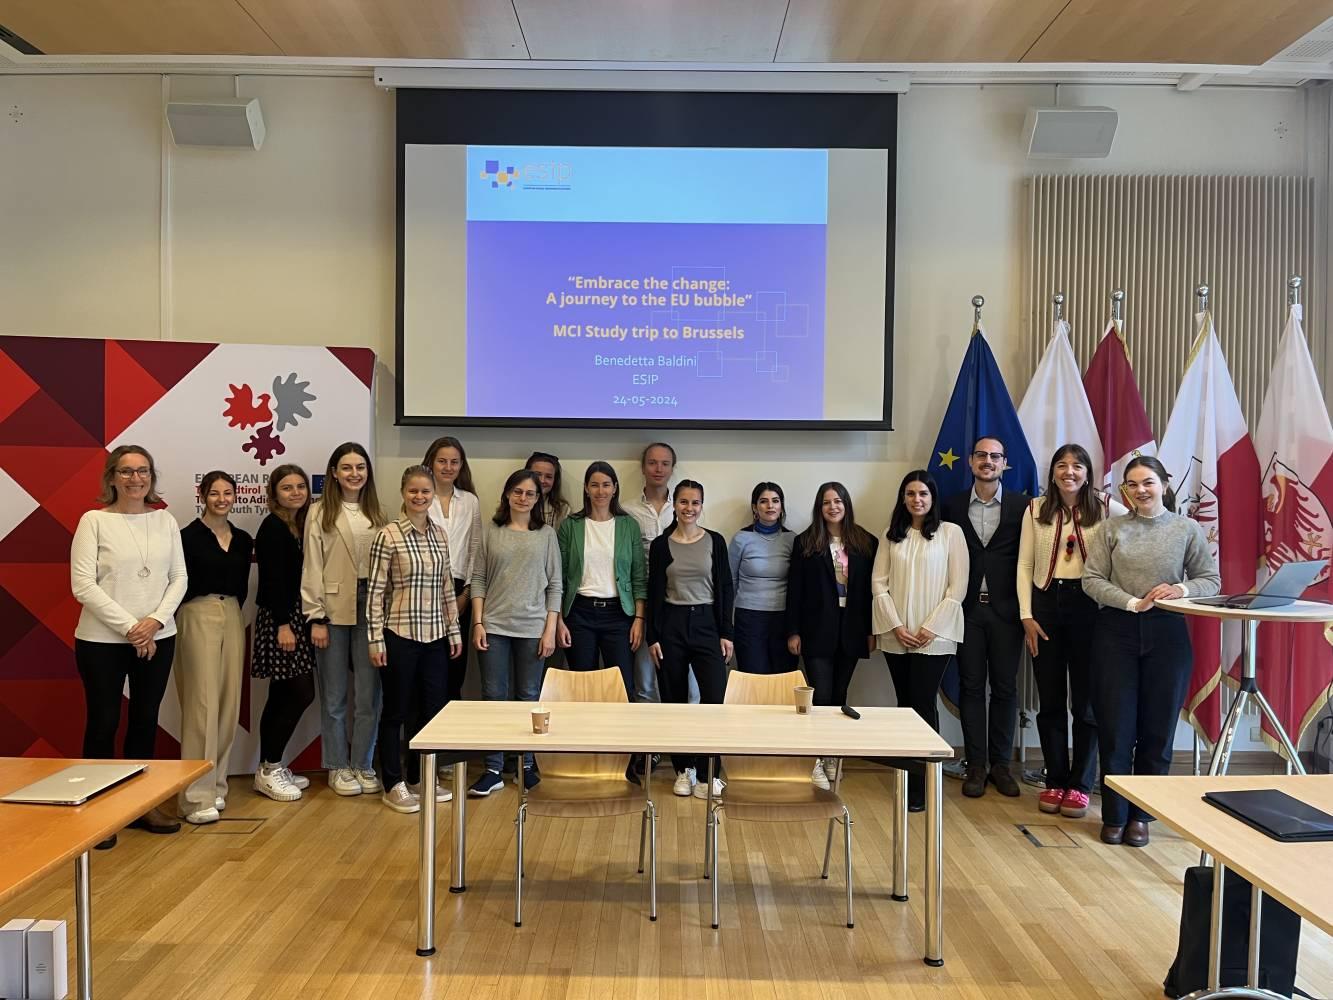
{"x": 75, "y": 785}
{"x": 1283, "y": 587}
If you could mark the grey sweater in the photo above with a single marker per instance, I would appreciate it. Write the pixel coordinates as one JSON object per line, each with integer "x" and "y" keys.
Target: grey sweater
{"x": 1133, "y": 554}
{"x": 759, "y": 565}
{"x": 517, "y": 573}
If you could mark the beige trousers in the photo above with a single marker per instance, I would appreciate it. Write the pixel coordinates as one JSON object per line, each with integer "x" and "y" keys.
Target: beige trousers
{"x": 210, "y": 659}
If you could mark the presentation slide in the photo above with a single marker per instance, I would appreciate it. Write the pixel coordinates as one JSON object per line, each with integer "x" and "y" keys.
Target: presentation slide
{"x": 659, "y": 282}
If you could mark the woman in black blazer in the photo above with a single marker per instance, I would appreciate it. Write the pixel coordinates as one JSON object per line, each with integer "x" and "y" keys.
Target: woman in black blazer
{"x": 689, "y": 617}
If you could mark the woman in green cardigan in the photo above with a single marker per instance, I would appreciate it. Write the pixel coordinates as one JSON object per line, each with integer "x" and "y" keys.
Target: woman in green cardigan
{"x": 606, "y": 579}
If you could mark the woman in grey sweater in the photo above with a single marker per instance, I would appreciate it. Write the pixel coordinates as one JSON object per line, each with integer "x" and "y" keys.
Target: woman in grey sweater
{"x": 760, "y": 556}
{"x": 516, "y": 589}
{"x": 1142, "y": 658}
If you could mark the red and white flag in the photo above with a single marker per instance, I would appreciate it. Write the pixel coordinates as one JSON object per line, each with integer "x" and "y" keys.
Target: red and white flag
{"x": 1295, "y": 445}
{"x": 1055, "y": 408}
{"x": 1215, "y": 474}
{"x": 1122, "y": 422}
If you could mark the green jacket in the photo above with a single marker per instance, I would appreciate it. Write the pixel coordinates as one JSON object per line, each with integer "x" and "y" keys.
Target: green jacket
{"x": 631, "y": 564}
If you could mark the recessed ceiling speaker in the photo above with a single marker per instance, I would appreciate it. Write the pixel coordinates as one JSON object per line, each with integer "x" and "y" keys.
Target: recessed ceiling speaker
{"x": 227, "y": 124}
{"x": 1069, "y": 133}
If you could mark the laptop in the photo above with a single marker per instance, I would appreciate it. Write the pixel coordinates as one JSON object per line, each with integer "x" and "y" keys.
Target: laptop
{"x": 75, "y": 785}
{"x": 1275, "y": 813}
{"x": 1283, "y": 587}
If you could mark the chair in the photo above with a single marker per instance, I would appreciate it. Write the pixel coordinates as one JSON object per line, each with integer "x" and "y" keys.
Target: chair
{"x": 776, "y": 789}
{"x": 586, "y": 786}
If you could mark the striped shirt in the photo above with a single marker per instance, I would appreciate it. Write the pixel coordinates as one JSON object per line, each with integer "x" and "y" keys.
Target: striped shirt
{"x": 411, "y": 586}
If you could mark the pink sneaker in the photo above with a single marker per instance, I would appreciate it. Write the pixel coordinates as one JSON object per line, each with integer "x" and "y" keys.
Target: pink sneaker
{"x": 1075, "y": 804}
{"x": 1049, "y": 800}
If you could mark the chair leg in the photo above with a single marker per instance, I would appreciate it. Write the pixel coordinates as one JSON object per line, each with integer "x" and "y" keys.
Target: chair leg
{"x": 652, "y": 861}
{"x": 518, "y": 866}
{"x": 713, "y": 869}
{"x": 847, "y": 845}
{"x": 828, "y": 848}
{"x": 643, "y": 835}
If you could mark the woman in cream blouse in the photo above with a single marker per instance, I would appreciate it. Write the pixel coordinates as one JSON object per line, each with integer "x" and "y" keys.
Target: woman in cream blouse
{"x": 917, "y": 590}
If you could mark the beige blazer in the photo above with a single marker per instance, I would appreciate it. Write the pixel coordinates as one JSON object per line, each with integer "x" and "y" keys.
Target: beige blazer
{"x": 328, "y": 574}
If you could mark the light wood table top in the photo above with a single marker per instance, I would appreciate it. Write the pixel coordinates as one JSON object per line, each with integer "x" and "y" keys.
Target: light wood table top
{"x": 1296, "y": 611}
{"x": 598, "y": 727}
{"x": 36, "y": 839}
{"x": 1300, "y": 875}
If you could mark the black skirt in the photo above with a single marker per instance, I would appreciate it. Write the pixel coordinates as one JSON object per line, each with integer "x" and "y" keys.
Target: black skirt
{"x": 269, "y": 660}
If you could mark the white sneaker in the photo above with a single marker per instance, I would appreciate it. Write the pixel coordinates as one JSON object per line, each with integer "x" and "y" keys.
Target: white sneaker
{"x": 343, "y": 782}
{"x": 271, "y": 780}
{"x": 219, "y": 803}
{"x": 201, "y": 816}
{"x": 299, "y": 781}
{"x": 399, "y": 799}
{"x": 818, "y": 776}
{"x": 369, "y": 782}
{"x": 831, "y": 769}
{"x": 701, "y": 789}
{"x": 685, "y": 780}
{"x": 442, "y": 792}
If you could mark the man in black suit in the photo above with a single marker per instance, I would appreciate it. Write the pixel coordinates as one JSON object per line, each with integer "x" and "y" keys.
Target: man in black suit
{"x": 992, "y": 646}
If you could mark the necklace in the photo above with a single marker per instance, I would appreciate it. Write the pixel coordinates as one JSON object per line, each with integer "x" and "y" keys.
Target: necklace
{"x": 144, "y": 571}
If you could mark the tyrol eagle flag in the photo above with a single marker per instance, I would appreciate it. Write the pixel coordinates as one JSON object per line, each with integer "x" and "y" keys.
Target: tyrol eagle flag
{"x": 980, "y": 405}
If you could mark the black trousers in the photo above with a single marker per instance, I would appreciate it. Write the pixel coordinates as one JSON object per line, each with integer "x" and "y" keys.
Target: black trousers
{"x": 600, "y": 625}
{"x": 103, "y": 667}
{"x": 916, "y": 683}
{"x": 458, "y": 664}
{"x": 830, "y": 676}
{"x": 689, "y": 639}
{"x": 761, "y": 642}
{"x": 1141, "y": 667}
{"x": 991, "y": 650}
{"x": 415, "y": 680}
{"x": 287, "y": 701}
{"x": 1063, "y": 668}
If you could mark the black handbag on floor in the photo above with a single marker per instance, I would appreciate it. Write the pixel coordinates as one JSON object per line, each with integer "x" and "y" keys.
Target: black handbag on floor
{"x": 1280, "y": 937}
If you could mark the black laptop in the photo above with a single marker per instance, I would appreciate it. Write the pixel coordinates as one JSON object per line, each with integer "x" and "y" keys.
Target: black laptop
{"x": 1275, "y": 813}
{"x": 1283, "y": 587}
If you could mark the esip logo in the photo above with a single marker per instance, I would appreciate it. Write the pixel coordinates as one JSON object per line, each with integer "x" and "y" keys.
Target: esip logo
{"x": 498, "y": 177}
{"x": 547, "y": 176}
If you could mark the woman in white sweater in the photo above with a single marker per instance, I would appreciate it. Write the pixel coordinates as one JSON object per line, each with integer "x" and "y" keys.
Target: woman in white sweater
{"x": 917, "y": 590}
{"x": 1058, "y": 619}
{"x": 127, "y": 569}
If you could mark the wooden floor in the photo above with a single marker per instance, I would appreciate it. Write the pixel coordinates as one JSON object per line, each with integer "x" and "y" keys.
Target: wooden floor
{"x": 318, "y": 899}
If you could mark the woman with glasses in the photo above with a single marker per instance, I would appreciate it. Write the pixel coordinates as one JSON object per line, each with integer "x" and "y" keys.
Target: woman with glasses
{"x": 760, "y": 557}
{"x": 516, "y": 590}
{"x": 555, "y": 508}
{"x": 211, "y": 660}
{"x": 127, "y": 569}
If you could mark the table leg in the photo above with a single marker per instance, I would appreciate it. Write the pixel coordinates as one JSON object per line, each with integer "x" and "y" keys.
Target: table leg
{"x": 1256, "y": 922}
{"x": 934, "y": 863}
{"x": 426, "y": 874}
{"x": 83, "y": 930}
{"x": 710, "y": 823}
{"x": 1215, "y": 928}
{"x": 900, "y": 835}
{"x": 458, "y": 880}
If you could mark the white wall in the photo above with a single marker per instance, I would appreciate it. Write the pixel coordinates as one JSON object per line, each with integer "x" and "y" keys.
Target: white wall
{"x": 108, "y": 231}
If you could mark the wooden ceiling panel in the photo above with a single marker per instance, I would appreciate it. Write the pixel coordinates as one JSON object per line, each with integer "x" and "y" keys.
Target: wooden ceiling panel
{"x": 859, "y": 31}
{"x": 136, "y": 27}
{"x": 652, "y": 30}
{"x": 1224, "y": 32}
{"x": 391, "y": 29}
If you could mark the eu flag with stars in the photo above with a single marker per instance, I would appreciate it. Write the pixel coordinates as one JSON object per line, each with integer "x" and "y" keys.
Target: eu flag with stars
{"x": 980, "y": 405}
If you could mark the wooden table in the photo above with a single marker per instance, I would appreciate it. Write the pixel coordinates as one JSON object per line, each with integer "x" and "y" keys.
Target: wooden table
{"x": 465, "y": 728}
{"x": 1298, "y": 875}
{"x": 35, "y": 840}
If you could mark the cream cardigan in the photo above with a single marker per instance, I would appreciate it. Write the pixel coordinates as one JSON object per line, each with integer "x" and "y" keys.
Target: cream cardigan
{"x": 1038, "y": 555}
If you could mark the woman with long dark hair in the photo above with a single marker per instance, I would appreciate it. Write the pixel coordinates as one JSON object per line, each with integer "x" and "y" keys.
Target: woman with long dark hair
{"x": 828, "y": 601}
{"x": 605, "y": 579}
{"x": 456, "y": 511}
{"x": 1059, "y": 619}
{"x": 918, "y": 586}
{"x": 760, "y": 556}
{"x": 555, "y": 508}
{"x": 1142, "y": 658}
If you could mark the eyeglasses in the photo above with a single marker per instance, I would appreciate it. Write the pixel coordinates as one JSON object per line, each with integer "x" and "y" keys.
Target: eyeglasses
{"x": 134, "y": 473}
{"x": 524, "y": 494}
{"x": 994, "y": 456}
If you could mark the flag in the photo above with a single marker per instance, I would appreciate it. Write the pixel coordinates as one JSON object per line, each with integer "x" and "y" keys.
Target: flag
{"x": 1055, "y": 409}
{"x": 1122, "y": 422}
{"x": 1295, "y": 445}
{"x": 1215, "y": 474}
{"x": 980, "y": 404}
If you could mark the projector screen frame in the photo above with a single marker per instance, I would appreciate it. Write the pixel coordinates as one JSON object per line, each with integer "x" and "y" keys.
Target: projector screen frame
{"x": 466, "y": 117}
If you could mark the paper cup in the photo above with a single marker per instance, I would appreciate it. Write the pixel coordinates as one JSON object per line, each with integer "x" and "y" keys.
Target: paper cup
{"x": 804, "y": 696}
{"x": 541, "y": 720}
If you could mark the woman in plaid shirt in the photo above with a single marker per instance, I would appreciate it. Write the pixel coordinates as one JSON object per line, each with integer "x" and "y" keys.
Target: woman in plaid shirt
{"x": 413, "y": 630}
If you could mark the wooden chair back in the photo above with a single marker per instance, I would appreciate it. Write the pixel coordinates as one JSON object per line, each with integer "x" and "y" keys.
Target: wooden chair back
{"x": 583, "y": 685}
{"x": 765, "y": 689}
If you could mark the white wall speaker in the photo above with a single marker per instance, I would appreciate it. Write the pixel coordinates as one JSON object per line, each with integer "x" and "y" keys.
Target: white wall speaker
{"x": 1069, "y": 133}
{"x": 231, "y": 124}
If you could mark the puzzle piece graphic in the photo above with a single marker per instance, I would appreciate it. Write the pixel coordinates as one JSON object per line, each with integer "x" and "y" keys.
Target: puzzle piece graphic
{"x": 265, "y": 444}
{"x": 243, "y": 410}
{"x": 290, "y": 398}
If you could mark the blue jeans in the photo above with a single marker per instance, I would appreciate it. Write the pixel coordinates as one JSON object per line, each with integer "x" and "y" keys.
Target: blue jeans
{"x": 348, "y": 653}
{"x": 510, "y": 668}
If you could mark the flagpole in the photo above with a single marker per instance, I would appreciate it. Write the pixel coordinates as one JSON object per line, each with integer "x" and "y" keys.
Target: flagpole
{"x": 1058, "y": 301}
{"x": 1294, "y": 290}
{"x": 977, "y": 302}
